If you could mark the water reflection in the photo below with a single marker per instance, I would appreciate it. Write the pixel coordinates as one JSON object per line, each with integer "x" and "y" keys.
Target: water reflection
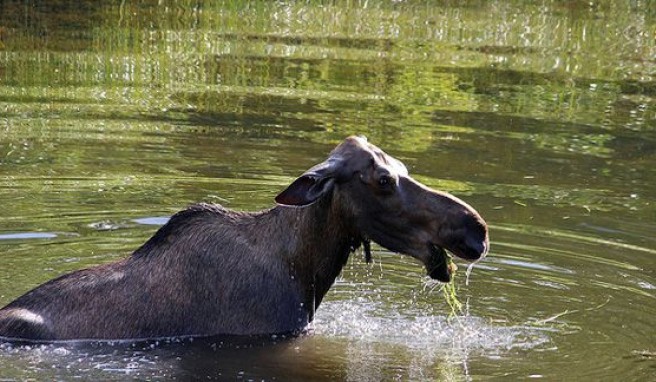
{"x": 116, "y": 115}
{"x": 27, "y": 235}
{"x": 158, "y": 221}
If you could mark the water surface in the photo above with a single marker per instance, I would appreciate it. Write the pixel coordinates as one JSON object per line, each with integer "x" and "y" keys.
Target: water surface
{"x": 542, "y": 115}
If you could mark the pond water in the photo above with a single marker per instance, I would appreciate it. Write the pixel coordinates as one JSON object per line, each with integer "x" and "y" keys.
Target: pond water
{"x": 542, "y": 115}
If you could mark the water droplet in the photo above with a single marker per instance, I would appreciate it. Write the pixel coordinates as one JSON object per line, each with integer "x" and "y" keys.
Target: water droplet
{"x": 468, "y": 273}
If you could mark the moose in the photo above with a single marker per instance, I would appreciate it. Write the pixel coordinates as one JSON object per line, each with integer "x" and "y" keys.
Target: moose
{"x": 214, "y": 271}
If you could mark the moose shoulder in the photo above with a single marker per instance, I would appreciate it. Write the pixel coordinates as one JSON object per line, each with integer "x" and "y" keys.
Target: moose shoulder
{"x": 212, "y": 271}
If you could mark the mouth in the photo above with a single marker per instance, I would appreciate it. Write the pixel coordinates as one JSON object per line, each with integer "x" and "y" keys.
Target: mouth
{"x": 440, "y": 265}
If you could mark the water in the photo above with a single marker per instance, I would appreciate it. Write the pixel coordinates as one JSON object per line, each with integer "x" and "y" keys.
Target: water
{"x": 541, "y": 115}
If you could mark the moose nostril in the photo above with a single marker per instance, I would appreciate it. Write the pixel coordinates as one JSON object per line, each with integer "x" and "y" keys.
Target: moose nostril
{"x": 476, "y": 247}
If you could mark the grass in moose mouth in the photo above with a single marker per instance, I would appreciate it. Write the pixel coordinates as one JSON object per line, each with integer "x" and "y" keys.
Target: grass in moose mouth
{"x": 448, "y": 288}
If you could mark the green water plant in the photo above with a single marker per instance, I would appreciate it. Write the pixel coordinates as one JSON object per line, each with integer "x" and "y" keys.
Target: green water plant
{"x": 449, "y": 290}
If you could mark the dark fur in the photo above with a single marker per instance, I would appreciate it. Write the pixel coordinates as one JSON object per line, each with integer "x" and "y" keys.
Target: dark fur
{"x": 211, "y": 271}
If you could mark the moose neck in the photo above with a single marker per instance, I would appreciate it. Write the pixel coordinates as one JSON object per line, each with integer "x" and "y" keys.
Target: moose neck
{"x": 320, "y": 241}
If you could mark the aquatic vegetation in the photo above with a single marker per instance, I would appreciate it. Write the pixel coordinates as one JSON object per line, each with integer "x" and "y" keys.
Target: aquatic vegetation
{"x": 449, "y": 291}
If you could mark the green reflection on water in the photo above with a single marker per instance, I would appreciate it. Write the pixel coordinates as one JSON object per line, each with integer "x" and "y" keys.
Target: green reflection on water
{"x": 540, "y": 114}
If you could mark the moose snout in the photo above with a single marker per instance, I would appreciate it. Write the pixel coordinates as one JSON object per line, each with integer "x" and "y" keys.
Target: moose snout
{"x": 459, "y": 228}
{"x": 474, "y": 248}
{"x": 469, "y": 241}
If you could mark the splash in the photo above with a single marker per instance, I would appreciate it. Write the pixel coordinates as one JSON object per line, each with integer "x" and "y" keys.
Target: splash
{"x": 361, "y": 320}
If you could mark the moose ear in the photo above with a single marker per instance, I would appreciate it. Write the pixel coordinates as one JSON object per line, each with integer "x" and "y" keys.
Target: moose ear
{"x": 305, "y": 190}
{"x": 310, "y": 186}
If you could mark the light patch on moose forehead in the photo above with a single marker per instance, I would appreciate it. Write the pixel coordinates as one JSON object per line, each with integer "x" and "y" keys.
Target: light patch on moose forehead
{"x": 394, "y": 164}
{"x": 25, "y": 315}
{"x": 399, "y": 167}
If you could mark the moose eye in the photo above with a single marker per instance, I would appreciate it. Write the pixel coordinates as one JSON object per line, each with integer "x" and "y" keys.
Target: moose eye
{"x": 385, "y": 181}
